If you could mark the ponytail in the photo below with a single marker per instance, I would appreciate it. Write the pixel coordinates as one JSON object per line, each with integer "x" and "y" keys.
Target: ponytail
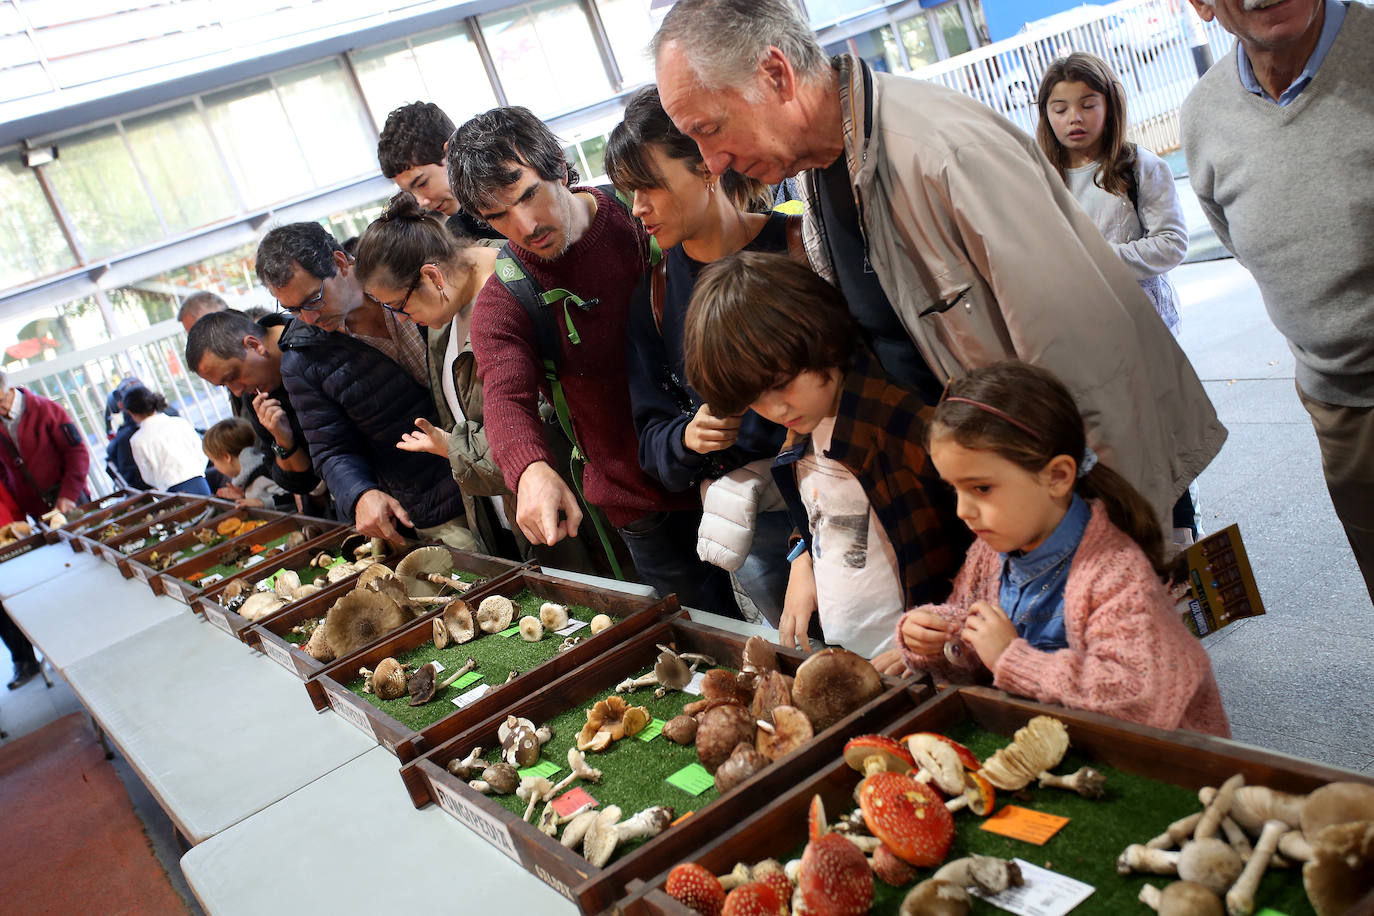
{"x": 1127, "y": 509}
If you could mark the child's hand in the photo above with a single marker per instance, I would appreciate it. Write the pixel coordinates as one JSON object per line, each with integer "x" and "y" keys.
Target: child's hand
{"x": 248, "y": 504}
{"x": 989, "y": 631}
{"x": 229, "y": 491}
{"x": 798, "y": 604}
{"x": 708, "y": 433}
{"x": 925, "y": 633}
{"x": 426, "y": 438}
{"x": 890, "y": 662}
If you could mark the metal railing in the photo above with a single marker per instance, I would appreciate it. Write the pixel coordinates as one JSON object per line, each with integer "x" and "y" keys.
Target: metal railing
{"x": 1143, "y": 40}
{"x": 82, "y": 381}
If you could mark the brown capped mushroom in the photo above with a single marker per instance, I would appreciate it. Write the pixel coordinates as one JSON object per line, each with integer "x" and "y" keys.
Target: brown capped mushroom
{"x": 467, "y": 766}
{"x": 1341, "y": 872}
{"x": 1182, "y": 898}
{"x": 789, "y": 730}
{"x": 317, "y": 647}
{"x": 771, "y": 689}
{"x": 831, "y": 684}
{"x": 373, "y": 573}
{"x": 1336, "y": 803}
{"x": 719, "y": 730}
{"x": 422, "y": 686}
{"x": 499, "y": 778}
{"x": 608, "y": 721}
{"x": 722, "y": 683}
{"x": 680, "y": 729}
{"x": 416, "y": 568}
{"x": 389, "y": 680}
{"x": 359, "y": 618}
{"x": 494, "y": 614}
{"x": 742, "y": 763}
{"x": 669, "y": 674}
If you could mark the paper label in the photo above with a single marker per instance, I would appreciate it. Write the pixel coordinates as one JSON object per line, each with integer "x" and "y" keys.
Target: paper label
{"x": 343, "y": 705}
{"x": 694, "y": 685}
{"x": 1044, "y": 893}
{"x": 254, "y": 560}
{"x": 218, "y": 619}
{"x": 194, "y": 549}
{"x": 571, "y": 800}
{"x": 544, "y": 768}
{"x": 652, "y": 730}
{"x": 1024, "y": 824}
{"x": 438, "y": 666}
{"x": 278, "y": 653}
{"x": 472, "y": 696}
{"x": 573, "y": 626}
{"x": 210, "y": 579}
{"x": 485, "y": 825}
{"x": 176, "y": 594}
{"x": 692, "y": 779}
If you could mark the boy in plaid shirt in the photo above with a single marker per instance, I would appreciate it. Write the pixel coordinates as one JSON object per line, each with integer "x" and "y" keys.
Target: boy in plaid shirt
{"x": 876, "y": 529}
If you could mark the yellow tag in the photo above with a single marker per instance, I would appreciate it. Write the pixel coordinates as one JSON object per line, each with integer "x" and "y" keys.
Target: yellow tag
{"x": 1024, "y": 824}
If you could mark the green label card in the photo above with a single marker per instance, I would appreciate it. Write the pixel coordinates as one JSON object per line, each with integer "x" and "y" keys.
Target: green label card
{"x": 544, "y": 768}
{"x": 271, "y": 581}
{"x": 471, "y": 677}
{"x": 692, "y": 779}
{"x": 510, "y": 631}
{"x": 338, "y": 561}
{"x": 651, "y": 731}
{"x": 1269, "y": 911}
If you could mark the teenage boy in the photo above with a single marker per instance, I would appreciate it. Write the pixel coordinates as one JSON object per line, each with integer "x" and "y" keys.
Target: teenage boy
{"x": 585, "y": 251}
{"x": 877, "y": 530}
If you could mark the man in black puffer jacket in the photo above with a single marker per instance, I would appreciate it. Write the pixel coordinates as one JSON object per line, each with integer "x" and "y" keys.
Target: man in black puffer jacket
{"x": 354, "y": 400}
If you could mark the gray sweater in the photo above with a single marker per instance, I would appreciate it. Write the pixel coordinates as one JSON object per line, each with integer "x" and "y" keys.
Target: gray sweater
{"x": 1290, "y": 191}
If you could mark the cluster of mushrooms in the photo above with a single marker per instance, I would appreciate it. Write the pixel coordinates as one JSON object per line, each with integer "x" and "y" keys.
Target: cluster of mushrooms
{"x": 255, "y": 601}
{"x": 16, "y": 531}
{"x": 1330, "y": 831}
{"x": 747, "y": 719}
{"x": 907, "y": 797}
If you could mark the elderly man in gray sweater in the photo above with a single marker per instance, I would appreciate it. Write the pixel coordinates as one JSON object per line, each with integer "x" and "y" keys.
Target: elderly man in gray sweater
{"x": 1280, "y": 143}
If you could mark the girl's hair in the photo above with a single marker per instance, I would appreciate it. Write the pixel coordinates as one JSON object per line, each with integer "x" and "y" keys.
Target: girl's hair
{"x": 141, "y": 402}
{"x": 228, "y": 437}
{"x": 403, "y": 239}
{"x": 1026, "y": 415}
{"x": 758, "y": 320}
{"x": 645, "y": 123}
{"x": 1116, "y": 162}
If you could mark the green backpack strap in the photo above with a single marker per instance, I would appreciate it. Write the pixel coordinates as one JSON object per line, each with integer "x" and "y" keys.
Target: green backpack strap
{"x": 538, "y": 305}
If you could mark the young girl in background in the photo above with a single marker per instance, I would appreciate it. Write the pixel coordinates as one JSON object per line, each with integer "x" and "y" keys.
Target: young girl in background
{"x": 1061, "y": 596}
{"x": 166, "y": 449}
{"x": 1126, "y": 189}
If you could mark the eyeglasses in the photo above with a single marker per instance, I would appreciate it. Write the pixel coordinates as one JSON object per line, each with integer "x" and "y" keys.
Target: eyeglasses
{"x": 313, "y": 304}
{"x": 401, "y": 309}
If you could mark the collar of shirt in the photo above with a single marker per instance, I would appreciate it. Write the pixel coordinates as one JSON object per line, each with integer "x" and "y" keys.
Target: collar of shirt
{"x": 1062, "y": 542}
{"x": 1331, "y": 26}
{"x": 16, "y": 408}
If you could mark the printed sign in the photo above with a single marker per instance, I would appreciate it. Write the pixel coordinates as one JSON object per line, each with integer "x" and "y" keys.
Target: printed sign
{"x": 278, "y": 653}
{"x": 1221, "y": 585}
{"x": 1024, "y": 824}
{"x": 485, "y": 825}
{"x": 694, "y": 685}
{"x": 341, "y": 704}
{"x": 472, "y": 696}
{"x": 1043, "y": 893}
{"x": 573, "y": 626}
{"x": 218, "y": 619}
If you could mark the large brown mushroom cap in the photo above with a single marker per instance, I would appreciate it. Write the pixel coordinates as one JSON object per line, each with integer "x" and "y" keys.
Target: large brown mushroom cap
{"x": 719, "y": 730}
{"x": 458, "y": 622}
{"x": 742, "y": 763}
{"x": 259, "y": 605}
{"x": 494, "y": 613}
{"x": 1336, "y": 803}
{"x": 831, "y": 684}
{"x": 791, "y": 729}
{"x": 1342, "y": 868}
{"x": 417, "y": 564}
{"x": 423, "y": 684}
{"x": 389, "y": 680}
{"x": 358, "y": 618}
{"x": 375, "y": 571}
{"x": 772, "y": 689}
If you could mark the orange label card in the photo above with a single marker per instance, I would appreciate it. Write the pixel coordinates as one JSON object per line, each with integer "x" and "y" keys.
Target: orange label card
{"x": 1024, "y": 824}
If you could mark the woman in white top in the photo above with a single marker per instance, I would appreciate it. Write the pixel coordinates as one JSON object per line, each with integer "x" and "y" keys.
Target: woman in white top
{"x": 166, "y": 449}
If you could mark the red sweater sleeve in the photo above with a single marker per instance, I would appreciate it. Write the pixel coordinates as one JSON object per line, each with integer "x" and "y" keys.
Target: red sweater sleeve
{"x": 976, "y": 577}
{"x": 512, "y": 379}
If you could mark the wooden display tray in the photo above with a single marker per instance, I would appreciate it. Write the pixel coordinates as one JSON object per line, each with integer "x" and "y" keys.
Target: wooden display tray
{"x": 593, "y": 889}
{"x": 172, "y": 582}
{"x": 268, "y": 635}
{"x": 329, "y": 688}
{"x": 81, "y": 513}
{"x": 295, "y": 559}
{"x": 23, "y": 546}
{"x": 83, "y": 535}
{"x": 1185, "y": 759}
{"x": 174, "y": 509}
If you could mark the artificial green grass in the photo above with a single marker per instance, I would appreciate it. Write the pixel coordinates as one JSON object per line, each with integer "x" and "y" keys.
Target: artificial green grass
{"x": 497, "y": 656}
{"x": 226, "y": 570}
{"x": 1134, "y": 810}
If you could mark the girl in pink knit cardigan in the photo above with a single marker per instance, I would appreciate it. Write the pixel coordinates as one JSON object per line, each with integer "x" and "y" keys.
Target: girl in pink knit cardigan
{"x": 1061, "y": 596}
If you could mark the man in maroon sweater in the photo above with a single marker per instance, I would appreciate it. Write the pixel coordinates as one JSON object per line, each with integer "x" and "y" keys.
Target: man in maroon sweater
{"x": 43, "y": 459}
{"x": 507, "y": 167}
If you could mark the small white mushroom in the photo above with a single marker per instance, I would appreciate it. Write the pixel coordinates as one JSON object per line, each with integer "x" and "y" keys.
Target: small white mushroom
{"x": 1086, "y": 781}
{"x": 1176, "y": 832}
{"x": 647, "y": 823}
{"x": 287, "y": 582}
{"x": 531, "y": 630}
{"x": 577, "y": 828}
{"x": 1141, "y": 858}
{"x": 577, "y": 762}
{"x": 599, "y": 623}
{"x": 1219, "y": 807}
{"x": 533, "y": 789}
{"x": 553, "y": 616}
{"x": 1240, "y": 899}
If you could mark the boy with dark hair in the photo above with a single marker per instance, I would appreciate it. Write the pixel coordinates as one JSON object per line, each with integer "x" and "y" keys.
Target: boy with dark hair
{"x": 410, "y": 151}
{"x": 877, "y": 529}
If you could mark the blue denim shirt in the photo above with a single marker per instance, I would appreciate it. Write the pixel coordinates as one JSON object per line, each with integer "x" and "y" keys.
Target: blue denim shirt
{"x": 1032, "y": 590}
{"x": 1331, "y": 26}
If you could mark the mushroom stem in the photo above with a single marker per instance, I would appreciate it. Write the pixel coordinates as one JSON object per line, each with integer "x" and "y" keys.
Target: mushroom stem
{"x": 577, "y": 828}
{"x": 577, "y": 762}
{"x": 462, "y": 768}
{"x": 865, "y": 844}
{"x": 1149, "y": 895}
{"x": 1236, "y": 837}
{"x": 1086, "y": 781}
{"x": 634, "y": 683}
{"x": 1294, "y": 845}
{"x": 1240, "y": 899}
{"x": 437, "y": 579}
{"x": 1176, "y": 832}
{"x": 536, "y": 789}
{"x": 990, "y": 873}
{"x": 1137, "y": 857}
{"x": 740, "y": 874}
{"x": 432, "y": 599}
{"x": 550, "y": 820}
{"x": 467, "y": 666}
{"x": 512, "y": 676}
{"x": 1220, "y": 805}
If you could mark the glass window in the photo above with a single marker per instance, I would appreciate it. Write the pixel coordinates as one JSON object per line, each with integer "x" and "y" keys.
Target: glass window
{"x": 594, "y": 150}
{"x": 826, "y": 12}
{"x": 251, "y": 127}
{"x": 951, "y": 20}
{"x": 920, "y": 48}
{"x": 879, "y": 48}
{"x": 629, "y": 28}
{"x": 546, "y": 56}
{"x": 177, "y": 156}
{"x": 324, "y": 111}
{"x": 31, "y": 242}
{"x": 454, "y": 75}
{"x": 389, "y": 77}
{"x": 100, "y": 190}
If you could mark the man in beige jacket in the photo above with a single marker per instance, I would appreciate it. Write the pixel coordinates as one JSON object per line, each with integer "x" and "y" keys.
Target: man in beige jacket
{"x": 950, "y": 234}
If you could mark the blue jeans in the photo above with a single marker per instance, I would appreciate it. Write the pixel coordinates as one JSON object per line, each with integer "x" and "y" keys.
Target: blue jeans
{"x": 763, "y": 577}
{"x": 196, "y": 486}
{"x": 664, "y": 548}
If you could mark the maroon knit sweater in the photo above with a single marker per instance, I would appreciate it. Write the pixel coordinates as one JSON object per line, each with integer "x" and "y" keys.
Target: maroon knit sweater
{"x": 604, "y": 264}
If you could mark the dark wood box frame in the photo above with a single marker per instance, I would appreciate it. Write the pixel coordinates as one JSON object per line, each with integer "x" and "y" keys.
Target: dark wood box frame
{"x": 86, "y": 538}
{"x": 1193, "y": 761}
{"x": 593, "y": 889}
{"x": 174, "y": 509}
{"x": 135, "y": 565}
{"x": 23, "y": 546}
{"x": 268, "y": 635}
{"x": 328, "y": 688}
{"x": 113, "y": 502}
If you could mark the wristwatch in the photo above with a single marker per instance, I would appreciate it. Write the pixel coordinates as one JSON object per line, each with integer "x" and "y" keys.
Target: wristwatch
{"x": 284, "y": 452}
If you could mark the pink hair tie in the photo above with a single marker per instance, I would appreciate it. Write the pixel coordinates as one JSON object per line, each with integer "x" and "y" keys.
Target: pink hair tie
{"x": 1001, "y": 415}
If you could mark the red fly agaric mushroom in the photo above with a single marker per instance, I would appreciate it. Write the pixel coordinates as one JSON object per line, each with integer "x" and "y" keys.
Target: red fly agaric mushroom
{"x": 753, "y": 899}
{"x": 695, "y": 887}
{"x": 871, "y": 754}
{"x": 1037, "y": 746}
{"x": 770, "y": 872}
{"x": 835, "y": 878}
{"x": 831, "y": 684}
{"x": 978, "y": 795}
{"x": 789, "y": 730}
{"x": 908, "y": 816}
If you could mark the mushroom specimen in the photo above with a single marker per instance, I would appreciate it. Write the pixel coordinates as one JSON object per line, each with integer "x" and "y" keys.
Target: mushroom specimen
{"x": 259, "y": 605}
{"x": 754, "y": 898}
{"x": 389, "y": 680}
{"x": 835, "y": 878}
{"x": 610, "y": 720}
{"x": 742, "y": 763}
{"x": 531, "y": 630}
{"x": 937, "y": 762}
{"x": 696, "y": 888}
{"x": 553, "y": 616}
{"x": 358, "y": 618}
{"x": 1336, "y": 803}
{"x": 871, "y": 754}
{"x": 722, "y": 683}
{"x": 422, "y": 686}
{"x": 425, "y": 571}
{"x": 978, "y": 795}
{"x": 1240, "y": 899}
{"x": 599, "y": 623}
{"x": 577, "y": 763}
{"x": 494, "y": 613}
{"x": 605, "y": 835}
{"x": 719, "y": 730}
{"x": 497, "y": 778}
{"x": 681, "y": 729}
{"x": 987, "y": 873}
{"x": 317, "y": 647}
{"x": 288, "y": 580}
{"x": 1086, "y": 781}
{"x": 908, "y": 816}
{"x": 1182, "y": 898}
{"x": 831, "y": 684}
{"x": 533, "y": 789}
{"x": 1342, "y": 868}
{"x": 1036, "y": 747}
{"x": 771, "y": 690}
{"x": 789, "y": 730}
{"x": 577, "y": 828}
{"x": 936, "y": 898}
{"x": 670, "y": 673}
{"x": 465, "y": 767}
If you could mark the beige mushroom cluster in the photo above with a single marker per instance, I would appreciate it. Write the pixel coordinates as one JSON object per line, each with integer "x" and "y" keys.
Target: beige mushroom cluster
{"x": 1224, "y": 850}
{"x": 16, "y": 531}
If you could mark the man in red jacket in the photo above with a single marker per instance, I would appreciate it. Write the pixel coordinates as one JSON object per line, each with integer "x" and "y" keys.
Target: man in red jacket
{"x": 43, "y": 459}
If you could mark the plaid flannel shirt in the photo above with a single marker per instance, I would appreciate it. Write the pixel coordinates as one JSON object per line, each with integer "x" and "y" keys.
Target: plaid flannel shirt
{"x": 879, "y": 429}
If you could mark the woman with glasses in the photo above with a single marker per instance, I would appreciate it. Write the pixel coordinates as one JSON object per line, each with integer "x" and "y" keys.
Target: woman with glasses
{"x": 411, "y": 265}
